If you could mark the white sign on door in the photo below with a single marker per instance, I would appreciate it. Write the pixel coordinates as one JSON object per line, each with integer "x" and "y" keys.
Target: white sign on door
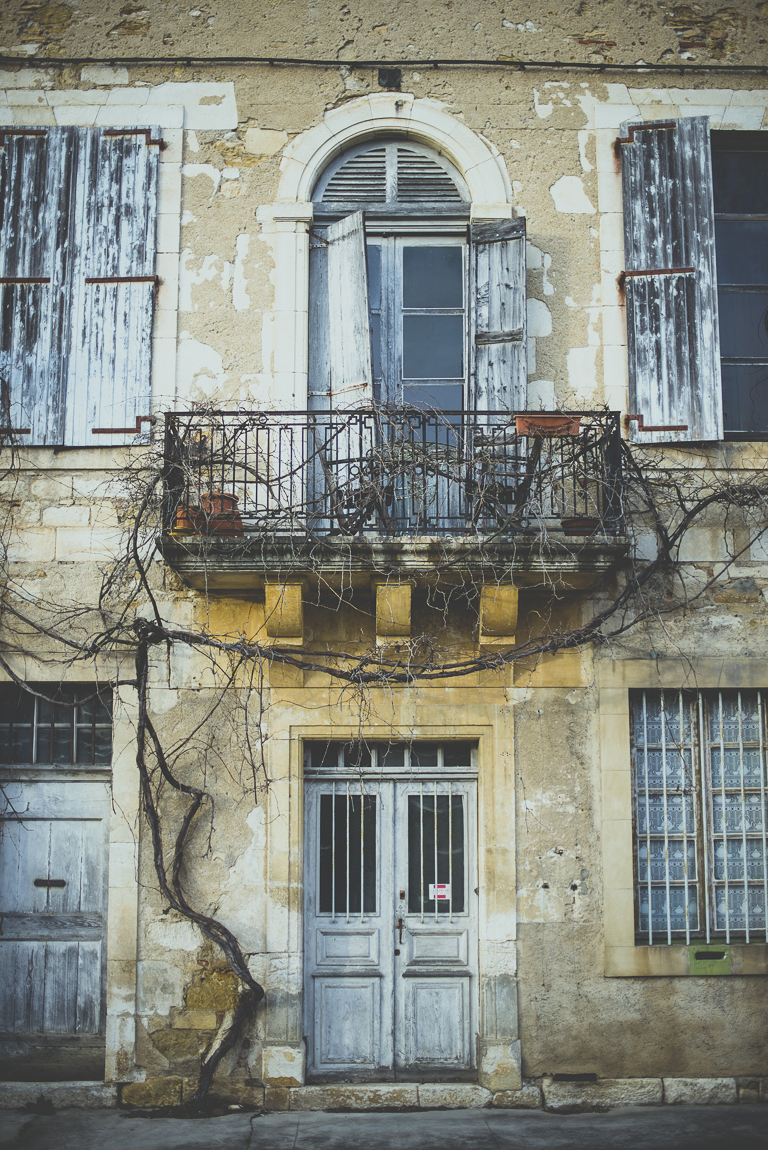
{"x": 439, "y": 890}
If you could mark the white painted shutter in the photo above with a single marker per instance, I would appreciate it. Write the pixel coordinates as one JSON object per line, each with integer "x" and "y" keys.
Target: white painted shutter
{"x": 36, "y": 169}
{"x": 499, "y": 315}
{"x": 348, "y": 323}
{"x": 108, "y": 386}
{"x": 671, "y": 283}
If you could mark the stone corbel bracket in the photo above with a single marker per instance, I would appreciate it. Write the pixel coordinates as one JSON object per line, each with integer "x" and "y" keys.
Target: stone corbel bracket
{"x": 498, "y": 614}
{"x": 393, "y": 610}
{"x": 284, "y": 611}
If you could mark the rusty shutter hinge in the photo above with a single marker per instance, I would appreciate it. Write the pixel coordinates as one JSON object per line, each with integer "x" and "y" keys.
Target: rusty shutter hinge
{"x": 650, "y": 127}
{"x": 25, "y": 279}
{"x": 656, "y": 427}
{"x": 122, "y": 280}
{"x": 161, "y": 144}
{"x": 124, "y": 430}
{"x": 625, "y": 275}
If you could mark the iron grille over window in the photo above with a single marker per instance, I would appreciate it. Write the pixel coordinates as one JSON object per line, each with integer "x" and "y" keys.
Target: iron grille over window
{"x": 700, "y": 815}
{"x": 68, "y": 726}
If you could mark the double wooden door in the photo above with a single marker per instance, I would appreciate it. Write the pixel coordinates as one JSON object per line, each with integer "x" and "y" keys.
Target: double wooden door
{"x": 390, "y": 929}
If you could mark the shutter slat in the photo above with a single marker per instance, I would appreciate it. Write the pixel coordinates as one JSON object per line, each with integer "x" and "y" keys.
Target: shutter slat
{"x": 672, "y": 321}
{"x": 421, "y": 180}
{"x": 499, "y": 315}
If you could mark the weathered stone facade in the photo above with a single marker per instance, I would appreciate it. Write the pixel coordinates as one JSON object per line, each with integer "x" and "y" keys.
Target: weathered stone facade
{"x": 563, "y": 988}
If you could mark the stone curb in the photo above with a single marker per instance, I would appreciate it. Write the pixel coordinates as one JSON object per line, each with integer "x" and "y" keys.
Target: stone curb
{"x": 556, "y": 1097}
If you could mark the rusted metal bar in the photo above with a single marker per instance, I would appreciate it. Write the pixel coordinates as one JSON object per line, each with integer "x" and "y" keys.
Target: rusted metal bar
{"x": 649, "y": 127}
{"x": 15, "y": 430}
{"x": 657, "y": 427}
{"x": 20, "y": 132}
{"x": 25, "y": 279}
{"x": 122, "y": 280}
{"x": 658, "y": 272}
{"x": 124, "y": 430}
{"x": 161, "y": 144}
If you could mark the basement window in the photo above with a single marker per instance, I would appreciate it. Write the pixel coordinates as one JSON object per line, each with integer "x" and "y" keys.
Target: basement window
{"x": 700, "y": 828}
{"x": 69, "y": 726}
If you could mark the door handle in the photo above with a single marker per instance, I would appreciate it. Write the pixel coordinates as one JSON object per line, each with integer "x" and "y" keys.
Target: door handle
{"x": 399, "y": 928}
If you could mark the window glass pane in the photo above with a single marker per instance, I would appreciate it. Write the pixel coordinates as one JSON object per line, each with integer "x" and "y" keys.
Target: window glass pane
{"x": 676, "y": 909}
{"x": 438, "y": 397}
{"x": 317, "y": 755}
{"x": 676, "y": 858}
{"x": 425, "y": 821}
{"x": 433, "y": 346}
{"x": 433, "y": 277}
{"x": 390, "y": 756}
{"x": 740, "y": 182}
{"x": 96, "y": 710}
{"x": 102, "y": 746}
{"x": 745, "y": 397}
{"x": 424, "y": 755}
{"x": 344, "y": 845}
{"x": 376, "y": 345}
{"x": 733, "y": 910}
{"x": 736, "y": 859}
{"x": 374, "y": 275}
{"x": 742, "y": 251}
{"x": 458, "y": 754}
{"x": 743, "y": 324}
{"x": 724, "y": 714}
{"x": 357, "y": 756}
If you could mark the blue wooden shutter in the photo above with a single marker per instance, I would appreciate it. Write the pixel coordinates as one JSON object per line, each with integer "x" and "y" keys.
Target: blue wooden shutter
{"x": 108, "y": 383}
{"x": 670, "y": 282}
{"x": 499, "y": 315}
{"x": 349, "y": 334}
{"x": 37, "y": 167}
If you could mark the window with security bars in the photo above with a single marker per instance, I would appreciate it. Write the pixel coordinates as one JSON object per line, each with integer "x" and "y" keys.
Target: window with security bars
{"x": 699, "y": 767}
{"x": 59, "y": 726}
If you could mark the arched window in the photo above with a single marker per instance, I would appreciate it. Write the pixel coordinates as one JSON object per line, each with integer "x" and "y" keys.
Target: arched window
{"x": 408, "y": 303}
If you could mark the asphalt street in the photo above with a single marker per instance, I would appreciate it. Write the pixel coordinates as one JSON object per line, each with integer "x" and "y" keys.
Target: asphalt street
{"x": 663, "y": 1128}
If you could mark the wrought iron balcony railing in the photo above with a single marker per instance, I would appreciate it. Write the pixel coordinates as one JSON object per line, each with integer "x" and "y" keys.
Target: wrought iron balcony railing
{"x": 390, "y": 471}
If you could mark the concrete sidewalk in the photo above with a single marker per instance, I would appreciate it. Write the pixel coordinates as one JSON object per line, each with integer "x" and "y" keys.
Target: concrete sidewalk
{"x": 667, "y": 1128}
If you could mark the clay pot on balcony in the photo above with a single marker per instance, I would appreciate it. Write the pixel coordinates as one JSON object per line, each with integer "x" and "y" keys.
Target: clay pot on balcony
{"x": 580, "y": 525}
{"x": 221, "y": 514}
{"x": 188, "y": 521}
{"x": 547, "y": 423}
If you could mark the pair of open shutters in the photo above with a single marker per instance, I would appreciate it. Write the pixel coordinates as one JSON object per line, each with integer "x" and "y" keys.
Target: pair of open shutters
{"x": 670, "y": 281}
{"x": 497, "y": 315}
{"x": 77, "y": 282}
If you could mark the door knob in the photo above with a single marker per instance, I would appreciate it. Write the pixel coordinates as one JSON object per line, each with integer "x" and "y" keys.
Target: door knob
{"x": 399, "y": 928}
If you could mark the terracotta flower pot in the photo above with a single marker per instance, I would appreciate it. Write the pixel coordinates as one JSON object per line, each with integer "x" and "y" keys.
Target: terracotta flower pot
{"x": 221, "y": 514}
{"x": 188, "y": 521}
{"x": 580, "y": 525}
{"x": 547, "y": 423}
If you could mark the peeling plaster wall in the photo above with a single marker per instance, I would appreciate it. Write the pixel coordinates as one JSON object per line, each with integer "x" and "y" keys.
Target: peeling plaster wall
{"x": 220, "y": 335}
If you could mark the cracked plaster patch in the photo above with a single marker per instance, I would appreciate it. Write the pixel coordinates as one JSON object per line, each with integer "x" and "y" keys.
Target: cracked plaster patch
{"x": 569, "y": 196}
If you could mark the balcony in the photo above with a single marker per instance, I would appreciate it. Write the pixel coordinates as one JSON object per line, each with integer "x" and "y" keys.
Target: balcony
{"x": 528, "y": 496}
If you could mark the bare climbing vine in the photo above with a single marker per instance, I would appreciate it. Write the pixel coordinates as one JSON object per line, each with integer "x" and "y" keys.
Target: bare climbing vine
{"x": 317, "y": 510}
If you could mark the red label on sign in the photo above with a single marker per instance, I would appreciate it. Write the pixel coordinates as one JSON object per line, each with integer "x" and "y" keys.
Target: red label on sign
{"x": 439, "y": 890}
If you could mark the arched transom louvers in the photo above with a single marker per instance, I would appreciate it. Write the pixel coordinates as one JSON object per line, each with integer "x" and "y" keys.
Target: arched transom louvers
{"x": 388, "y": 174}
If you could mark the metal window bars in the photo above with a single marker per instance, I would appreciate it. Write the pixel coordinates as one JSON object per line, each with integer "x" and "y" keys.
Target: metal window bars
{"x": 700, "y": 815}
{"x": 392, "y": 471}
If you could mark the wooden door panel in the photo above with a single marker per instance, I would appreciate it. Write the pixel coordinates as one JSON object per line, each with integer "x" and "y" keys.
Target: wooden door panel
{"x": 437, "y": 1022}
{"x": 348, "y": 1023}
